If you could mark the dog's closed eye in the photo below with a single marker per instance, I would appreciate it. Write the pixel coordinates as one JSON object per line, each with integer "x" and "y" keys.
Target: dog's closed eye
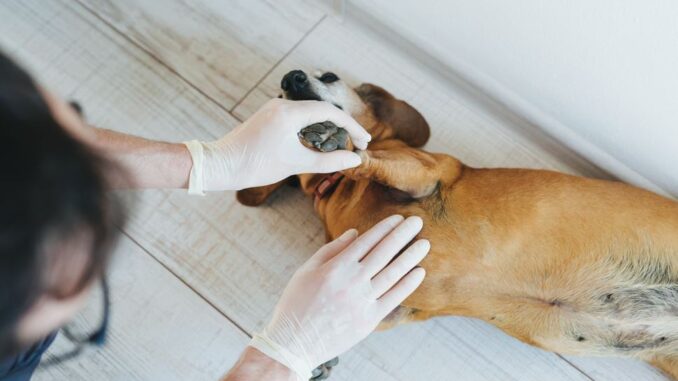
{"x": 328, "y": 77}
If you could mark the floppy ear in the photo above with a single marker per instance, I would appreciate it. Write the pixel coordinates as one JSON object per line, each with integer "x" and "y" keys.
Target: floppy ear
{"x": 407, "y": 123}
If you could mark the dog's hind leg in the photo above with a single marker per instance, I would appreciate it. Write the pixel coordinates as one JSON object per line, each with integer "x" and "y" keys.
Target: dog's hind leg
{"x": 410, "y": 170}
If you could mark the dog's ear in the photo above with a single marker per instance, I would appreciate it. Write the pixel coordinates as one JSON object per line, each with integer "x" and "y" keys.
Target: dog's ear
{"x": 406, "y": 122}
{"x": 258, "y": 195}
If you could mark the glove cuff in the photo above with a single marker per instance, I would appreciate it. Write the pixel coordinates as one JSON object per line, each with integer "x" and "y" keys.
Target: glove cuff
{"x": 195, "y": 179}
{"x": 283, "y": 356}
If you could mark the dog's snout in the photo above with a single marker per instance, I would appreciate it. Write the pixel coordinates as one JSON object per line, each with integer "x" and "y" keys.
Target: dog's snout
{"x": 294, "y": 81}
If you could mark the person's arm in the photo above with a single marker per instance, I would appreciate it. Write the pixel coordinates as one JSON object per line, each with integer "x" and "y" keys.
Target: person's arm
{"x": 254, "y": 365}
{"x": 262, "y": 150}
{"x": 145, "y": 163}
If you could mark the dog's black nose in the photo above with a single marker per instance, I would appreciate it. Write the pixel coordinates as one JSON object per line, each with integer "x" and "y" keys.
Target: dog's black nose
{"x": 294, "y": 81}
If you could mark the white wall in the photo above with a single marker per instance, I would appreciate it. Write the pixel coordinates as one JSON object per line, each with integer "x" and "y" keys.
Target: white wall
{"x": 601, "y": 76}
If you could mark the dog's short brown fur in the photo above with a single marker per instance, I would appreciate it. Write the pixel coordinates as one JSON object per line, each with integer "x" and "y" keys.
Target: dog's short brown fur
{"x": 565, "y": 263}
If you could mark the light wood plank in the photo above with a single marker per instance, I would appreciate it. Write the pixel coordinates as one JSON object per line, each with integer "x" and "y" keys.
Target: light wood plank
{"x": 222, "y": 47}
{"x": 119, "y": 85}
{"x": 160, "y": 329}
{"x": 617, "y": 369}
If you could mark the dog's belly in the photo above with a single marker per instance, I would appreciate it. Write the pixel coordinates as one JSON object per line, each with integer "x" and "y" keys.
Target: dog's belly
{"x": 605, "y": 303}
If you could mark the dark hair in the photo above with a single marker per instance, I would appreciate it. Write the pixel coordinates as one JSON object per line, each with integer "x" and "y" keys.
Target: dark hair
{"x": 51, "y": 188}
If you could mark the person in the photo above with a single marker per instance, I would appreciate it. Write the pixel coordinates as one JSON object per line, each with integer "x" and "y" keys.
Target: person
{"x": 58, "y": 225}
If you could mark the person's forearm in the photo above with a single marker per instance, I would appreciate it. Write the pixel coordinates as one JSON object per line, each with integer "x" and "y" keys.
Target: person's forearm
{"x": 254, "y": 365}
{"x": 145, "y": 163}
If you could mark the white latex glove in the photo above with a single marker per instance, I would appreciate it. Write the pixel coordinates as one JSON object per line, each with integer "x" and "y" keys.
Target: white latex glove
{"x": 265, "y": 148}
{"x": 342, "y": 293}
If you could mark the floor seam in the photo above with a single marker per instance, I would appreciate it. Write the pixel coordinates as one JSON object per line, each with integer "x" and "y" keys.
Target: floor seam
{"x": 154, "y": 57}
{"x": 575, "y": 367}
{"x": 263, "y": 77}
{"x": 200, "y": 295}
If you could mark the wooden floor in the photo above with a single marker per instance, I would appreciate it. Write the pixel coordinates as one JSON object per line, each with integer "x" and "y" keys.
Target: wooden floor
{"x": 194, "y": 277}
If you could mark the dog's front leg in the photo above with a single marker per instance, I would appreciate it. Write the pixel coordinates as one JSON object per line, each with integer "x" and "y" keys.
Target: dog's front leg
{"x": 407, "y": 169}
{"x": 390, "y": 162}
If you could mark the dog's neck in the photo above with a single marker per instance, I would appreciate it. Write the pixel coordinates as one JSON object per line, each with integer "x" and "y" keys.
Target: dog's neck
{"x": 320, "y": 187}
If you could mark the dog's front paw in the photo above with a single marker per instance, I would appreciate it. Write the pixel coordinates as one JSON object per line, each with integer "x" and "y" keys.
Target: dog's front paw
{"x": 323, "y": 371}
{"x": 325, "y": 137}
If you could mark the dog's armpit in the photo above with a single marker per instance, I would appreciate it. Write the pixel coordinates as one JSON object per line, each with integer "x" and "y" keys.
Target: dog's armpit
{"x": 325, "y": 137}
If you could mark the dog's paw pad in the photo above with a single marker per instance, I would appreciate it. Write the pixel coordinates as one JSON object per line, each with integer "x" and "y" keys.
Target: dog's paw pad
{"x": 323, "y": 371}
{"x": 324, "y": 137}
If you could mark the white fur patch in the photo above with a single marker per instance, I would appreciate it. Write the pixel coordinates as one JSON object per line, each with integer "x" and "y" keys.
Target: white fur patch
{"x": 338, "y": 93}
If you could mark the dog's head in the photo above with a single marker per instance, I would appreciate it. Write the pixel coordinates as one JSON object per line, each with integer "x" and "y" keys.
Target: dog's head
{"x": 379, "y": 112}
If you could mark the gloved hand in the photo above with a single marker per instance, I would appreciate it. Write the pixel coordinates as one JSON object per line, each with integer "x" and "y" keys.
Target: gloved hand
{"x": 341, "y": 294}
{"x": 265, "y": 148}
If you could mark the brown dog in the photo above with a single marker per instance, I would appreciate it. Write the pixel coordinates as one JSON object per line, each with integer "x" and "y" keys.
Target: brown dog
{"x": 569, "y": 264}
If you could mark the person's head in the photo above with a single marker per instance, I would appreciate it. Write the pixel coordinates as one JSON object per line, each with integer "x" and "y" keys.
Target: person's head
{"x": 57, "y": 222}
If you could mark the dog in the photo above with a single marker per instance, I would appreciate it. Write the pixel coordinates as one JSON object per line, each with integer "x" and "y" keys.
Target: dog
{"x": 565, "y": 263}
